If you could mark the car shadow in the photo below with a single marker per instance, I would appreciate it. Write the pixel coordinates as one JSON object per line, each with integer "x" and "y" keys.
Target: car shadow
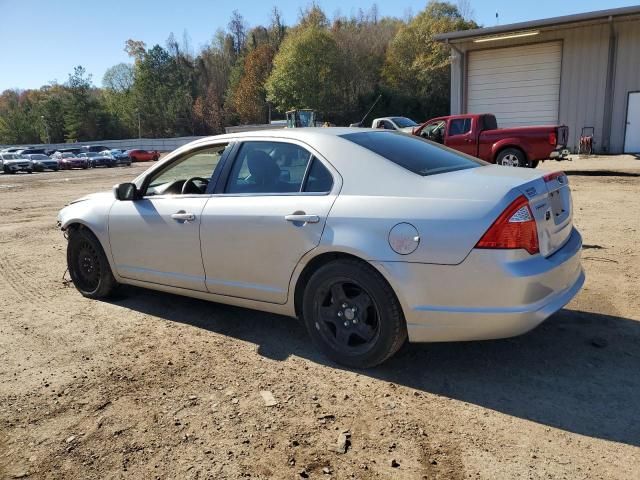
{"x": 600, "y": 173}
{"x": 579, "y": 371}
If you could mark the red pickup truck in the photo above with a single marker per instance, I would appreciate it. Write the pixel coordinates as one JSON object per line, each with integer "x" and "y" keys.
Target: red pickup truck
{"x": 478, "y": 135}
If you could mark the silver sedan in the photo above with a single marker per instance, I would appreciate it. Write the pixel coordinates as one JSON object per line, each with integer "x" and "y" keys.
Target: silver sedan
{"x": 371, "y": 237}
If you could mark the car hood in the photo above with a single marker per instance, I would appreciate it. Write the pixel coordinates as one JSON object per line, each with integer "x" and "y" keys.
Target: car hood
{"x": 94, "y": 196}
{"x": 19, "y": 160}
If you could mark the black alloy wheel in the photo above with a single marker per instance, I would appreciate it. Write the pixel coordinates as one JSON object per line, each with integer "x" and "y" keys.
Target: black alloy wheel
{"x": 352, "y": 314}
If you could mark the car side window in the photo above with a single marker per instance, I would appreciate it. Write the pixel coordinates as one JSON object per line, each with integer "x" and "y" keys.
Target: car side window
{"x": 319, "y": 179}
{"x": 459, "y": 126}
{"x": 198, "y": 165}
{"x": 268, "y": 167}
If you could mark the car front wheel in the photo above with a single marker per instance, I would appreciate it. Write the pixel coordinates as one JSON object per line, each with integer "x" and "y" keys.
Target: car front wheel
{"x": 352, "y": 314}
{"x": 88, "y": 265}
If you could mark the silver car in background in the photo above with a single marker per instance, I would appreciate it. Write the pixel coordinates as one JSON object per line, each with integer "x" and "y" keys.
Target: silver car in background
{"x": 13, "y": 163}
{"x": 370, "y": 236}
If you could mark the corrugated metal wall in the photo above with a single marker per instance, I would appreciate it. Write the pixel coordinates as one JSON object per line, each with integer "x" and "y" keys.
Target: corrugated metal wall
{"x": 627, "y": 78}
{"x": 584, "y": 76}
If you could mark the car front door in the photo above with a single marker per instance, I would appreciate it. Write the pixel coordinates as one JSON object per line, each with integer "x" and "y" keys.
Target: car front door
{"x": 460, "y": 136}
{"x": 268, "y": 212}
{"x": 156, "y": 238}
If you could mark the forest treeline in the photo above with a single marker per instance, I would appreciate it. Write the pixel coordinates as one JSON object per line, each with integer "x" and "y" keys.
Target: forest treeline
{"x": 247, "y": 75}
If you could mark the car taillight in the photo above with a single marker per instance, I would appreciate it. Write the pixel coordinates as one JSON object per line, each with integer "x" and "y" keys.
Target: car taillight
{"x": 556, "y": 175}
{"x": 553, "y": 139}
{"x": 514, "y": 228}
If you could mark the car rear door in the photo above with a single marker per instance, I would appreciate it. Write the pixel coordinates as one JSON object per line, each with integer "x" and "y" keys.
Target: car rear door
{"x": 270, "y": 209}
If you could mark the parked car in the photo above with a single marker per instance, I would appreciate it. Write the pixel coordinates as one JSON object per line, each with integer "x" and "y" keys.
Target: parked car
{"x": 29, "y": 151}
{"x": 370, "y": 236}
{"x": 68, "y": 160}
{"x": 119, "y": 156}
{"x": 74, "y": 150}
{"x": 95, "y": 148}
{"x": 143, "y": 155}
{"x": 402, "y": 124}
{"x": 13, "y": 163}
{"x": 41, "y": 162}
{"x": 96, "y": 159}
{"x": 478, "y": 135}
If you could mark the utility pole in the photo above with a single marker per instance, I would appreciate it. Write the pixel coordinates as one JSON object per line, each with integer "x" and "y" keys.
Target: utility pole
{"x": 46, "y": 128}
{"x": 139, "y": 124}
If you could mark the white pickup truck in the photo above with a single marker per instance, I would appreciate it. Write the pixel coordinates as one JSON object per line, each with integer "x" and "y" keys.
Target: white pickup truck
{"x": 402, "y": 124}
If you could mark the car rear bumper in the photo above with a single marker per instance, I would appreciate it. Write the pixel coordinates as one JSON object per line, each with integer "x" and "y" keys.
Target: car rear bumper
{"x": 491, "y": 294}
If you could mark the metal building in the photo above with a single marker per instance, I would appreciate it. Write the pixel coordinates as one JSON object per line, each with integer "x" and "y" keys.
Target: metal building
{"x": 578, "y": 70}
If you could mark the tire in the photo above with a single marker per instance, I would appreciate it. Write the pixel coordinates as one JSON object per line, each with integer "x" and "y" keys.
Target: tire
{"x": 352, "y": 314}
{"x": 534, "y": 163}
{"x": 88, "y": 265}
{"x": 512, "y": 157}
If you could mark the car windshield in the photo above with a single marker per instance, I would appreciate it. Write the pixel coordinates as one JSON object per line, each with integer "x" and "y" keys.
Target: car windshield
{"x": 413, "y": 153}
{"x": 39, "y": 156}
{"x": 68, "y": 155}
{"x": 403, "y": 122}
{"x": 10, "y": 156}
{"x": 92, "y": 154}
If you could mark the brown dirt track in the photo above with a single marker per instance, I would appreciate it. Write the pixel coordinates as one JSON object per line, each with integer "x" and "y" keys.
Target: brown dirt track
{"x": 150, "y": 385}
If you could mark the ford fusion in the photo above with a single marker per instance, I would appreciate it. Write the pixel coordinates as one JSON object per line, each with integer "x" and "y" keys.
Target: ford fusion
{"x": 371, "y": 237}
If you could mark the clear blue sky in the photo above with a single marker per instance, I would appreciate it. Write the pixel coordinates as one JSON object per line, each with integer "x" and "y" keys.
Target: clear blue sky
{"x": 42, "y": 40}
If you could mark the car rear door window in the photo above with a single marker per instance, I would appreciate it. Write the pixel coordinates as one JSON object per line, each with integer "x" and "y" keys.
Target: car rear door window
{"x": 459, "y": 126}
{"x": 413, "y": 153}
{"x": 267, "y": 167}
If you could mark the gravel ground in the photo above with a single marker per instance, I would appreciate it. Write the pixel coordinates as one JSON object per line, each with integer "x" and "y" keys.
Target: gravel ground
{"x": 150, "y": 385}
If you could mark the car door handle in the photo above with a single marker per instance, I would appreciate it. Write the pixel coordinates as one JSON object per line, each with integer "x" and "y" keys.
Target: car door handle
{"x": 183, "y": 217}
{"x": 302, "y": 218}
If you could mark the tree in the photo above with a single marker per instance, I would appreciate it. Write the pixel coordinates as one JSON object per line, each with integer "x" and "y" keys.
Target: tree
{"x": 80, "y": 116}
{"x": 416, "y": 65}
{"x": 135, "y": 49}
{"x": 238, "y": 30}
{"x": 305, "y": 72}
{"x": 250, "y": 96}
{"x": 119, "y": 78}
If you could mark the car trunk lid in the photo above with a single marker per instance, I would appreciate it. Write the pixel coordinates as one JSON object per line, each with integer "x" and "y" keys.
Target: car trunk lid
{"x": 550, "y": 201}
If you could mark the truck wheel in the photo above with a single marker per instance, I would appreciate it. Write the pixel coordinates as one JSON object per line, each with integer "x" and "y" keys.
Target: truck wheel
{"x": 512, "y": 157}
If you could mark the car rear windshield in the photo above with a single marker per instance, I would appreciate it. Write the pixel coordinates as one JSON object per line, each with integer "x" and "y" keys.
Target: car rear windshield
{"x": 414, "y": 153}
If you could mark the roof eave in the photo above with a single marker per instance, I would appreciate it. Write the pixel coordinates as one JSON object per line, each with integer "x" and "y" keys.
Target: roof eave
{"x": 463, "y": 35}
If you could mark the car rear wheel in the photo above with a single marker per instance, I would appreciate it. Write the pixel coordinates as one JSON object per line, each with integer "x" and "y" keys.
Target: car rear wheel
{"x": 352, "y": 314}
{"x": 88, "y": 265}
{"x": 512, "y": 157}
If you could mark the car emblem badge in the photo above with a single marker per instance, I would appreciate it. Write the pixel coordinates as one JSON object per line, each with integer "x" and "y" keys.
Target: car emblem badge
{"x": 531, "y": 191}
{"x": 547, "y": 215}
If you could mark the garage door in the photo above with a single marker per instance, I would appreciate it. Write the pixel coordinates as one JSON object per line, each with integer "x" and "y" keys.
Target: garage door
{"x": 520, "y": 85}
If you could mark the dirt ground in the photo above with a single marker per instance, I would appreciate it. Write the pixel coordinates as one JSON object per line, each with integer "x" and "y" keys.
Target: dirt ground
{"x": 150, "y": 385}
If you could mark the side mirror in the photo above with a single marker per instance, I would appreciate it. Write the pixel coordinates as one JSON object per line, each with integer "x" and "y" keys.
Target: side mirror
{"x": 125, "y": 191}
